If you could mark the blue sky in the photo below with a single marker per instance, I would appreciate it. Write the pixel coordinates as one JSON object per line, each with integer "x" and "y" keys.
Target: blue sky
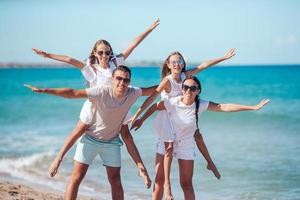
{"x": 262, "y": 31}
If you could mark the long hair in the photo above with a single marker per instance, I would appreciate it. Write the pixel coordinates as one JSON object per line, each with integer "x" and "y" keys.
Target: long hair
{"x": 165, "y": 69}
{"x": 197, "y": 100}
{"x": 92, "y": 58}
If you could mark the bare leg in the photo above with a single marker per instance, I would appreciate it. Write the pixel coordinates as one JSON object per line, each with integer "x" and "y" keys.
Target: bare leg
{"x": 202, "y": 148}
{"x": 158, "y": 187}
{"x": 114, "y": 178}
{"x": 70, "y": 140}
{"x": 186, "y": 170}
{"x": 134, "y": 153}
{"x": 78, "y": 173}
{"x": 167, "y": 168}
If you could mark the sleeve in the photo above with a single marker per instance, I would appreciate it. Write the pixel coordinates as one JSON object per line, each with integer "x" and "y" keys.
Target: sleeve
{"x": 94, "y": 93}
{"x": 88, "y": 73}
{"x": 120, "y": 60}
{"x": 203, "y": 105}
{"x": 168, "y": 104}
{"x": 137, "y": 91}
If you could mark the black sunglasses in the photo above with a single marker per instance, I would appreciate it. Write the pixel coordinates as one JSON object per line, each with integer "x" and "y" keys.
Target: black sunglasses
{"x": 125, "y": 80}
{"x": 192, "y": 88}
{"x": 100, "y": 53}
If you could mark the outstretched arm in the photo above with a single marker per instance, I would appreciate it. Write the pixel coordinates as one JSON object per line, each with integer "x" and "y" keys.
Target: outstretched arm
{"x": 150, "y": 99}
{"x": 209, "y": 63}
{"x": 157, "y": 106}
{"x": 149, "y": 90}
{"x": 134, "y": 153}
{"x": 69, "y": 142}
{"x": 66, "y": 59}
{"x": 216, "y": 107}
{"x": 62, "y": 92}
{"x": 139, "y": 39}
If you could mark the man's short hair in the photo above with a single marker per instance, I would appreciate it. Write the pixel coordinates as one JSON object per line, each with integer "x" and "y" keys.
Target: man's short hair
{"x": 122, "y": 68}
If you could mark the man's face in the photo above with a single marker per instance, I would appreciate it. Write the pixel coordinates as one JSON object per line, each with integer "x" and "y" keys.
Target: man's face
{"x": 120, "y": 82}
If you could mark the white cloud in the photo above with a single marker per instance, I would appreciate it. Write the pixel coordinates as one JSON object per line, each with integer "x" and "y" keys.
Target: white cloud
{"x": 289, "y": 40}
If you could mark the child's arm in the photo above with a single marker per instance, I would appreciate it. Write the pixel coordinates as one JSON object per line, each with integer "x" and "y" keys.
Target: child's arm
{"x": 66, "y": 59}
{"x": 165, "y": 83}
{"x": 62, "y": 92}
{"x": 209, "y": 63}
{"x": 139, "y": 39}
{"x": 157, "y": 106}
{"x": 229, "y": 107}
{"x": 134, "y": 153}
{"x": 69, "y": 142}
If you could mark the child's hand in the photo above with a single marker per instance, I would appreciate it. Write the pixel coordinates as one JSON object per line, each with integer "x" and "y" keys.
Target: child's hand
{"x": 40, "y": 52}
{"x": 34, "y": 89}
{"x": 229, "y": 54}
{"x": 154, "y": 24}
{"x": 261, "y": 104}
{"x": 137, "y": 124}
{"x": 53, "y": 168}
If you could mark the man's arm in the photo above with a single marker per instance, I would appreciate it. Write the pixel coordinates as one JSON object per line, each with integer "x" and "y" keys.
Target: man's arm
{"x": 134, "y": 154}
{"x": 62, "y": 92}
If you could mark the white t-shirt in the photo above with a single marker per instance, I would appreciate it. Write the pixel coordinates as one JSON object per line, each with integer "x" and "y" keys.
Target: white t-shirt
{"x": 101, "y": 76}
{"x": 110, "y": 112}
{"x": 183, "y": 117}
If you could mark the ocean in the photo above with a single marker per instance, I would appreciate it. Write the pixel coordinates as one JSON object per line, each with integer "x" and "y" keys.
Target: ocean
{"x": 257, "y": 153}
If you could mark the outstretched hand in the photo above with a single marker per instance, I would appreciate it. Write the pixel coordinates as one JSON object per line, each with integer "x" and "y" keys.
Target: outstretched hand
{"x": 34, "y": 89}
{"x": 230, "y": 53}
{"x": 53, "y": 168}
{"x": 136, "y": 124}
{"x": 261, "y": 104}
{"x": 40, "y": 52}
{"x": 154, "y": 24}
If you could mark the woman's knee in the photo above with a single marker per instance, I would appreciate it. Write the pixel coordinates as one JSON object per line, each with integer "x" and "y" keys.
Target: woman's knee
{"x": 186, "y": 184}
{"x": 159, "y": 179}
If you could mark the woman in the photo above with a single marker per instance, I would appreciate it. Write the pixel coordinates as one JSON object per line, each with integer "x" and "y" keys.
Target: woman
{"x": 183, "y": 111}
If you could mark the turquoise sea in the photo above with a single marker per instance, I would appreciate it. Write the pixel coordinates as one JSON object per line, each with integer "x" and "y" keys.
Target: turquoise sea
{"x": 257, "y": 153}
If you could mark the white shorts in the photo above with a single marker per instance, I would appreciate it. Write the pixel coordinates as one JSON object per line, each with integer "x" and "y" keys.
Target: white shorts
{"x": 87, "y": 112}
{"x": 163, "y": 126}
{"x": 183, "y": 149}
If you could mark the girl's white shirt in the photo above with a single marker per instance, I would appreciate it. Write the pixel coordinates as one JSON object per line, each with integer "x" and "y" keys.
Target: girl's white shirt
{"x": 102, "y": 77}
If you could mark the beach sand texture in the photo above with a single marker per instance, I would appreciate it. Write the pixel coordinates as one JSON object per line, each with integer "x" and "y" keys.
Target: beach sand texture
{"x": 14, "y": 191}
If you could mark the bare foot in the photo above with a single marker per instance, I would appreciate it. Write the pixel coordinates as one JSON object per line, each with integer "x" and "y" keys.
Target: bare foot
{"x": 53, "y": 168}
{"x": 144, "y": 174}
{"x": 211, "y": 166}
{"x": 168, "y": 192}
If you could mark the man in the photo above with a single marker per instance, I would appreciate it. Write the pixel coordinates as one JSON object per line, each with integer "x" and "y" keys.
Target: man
{"x": 112, "y": 104}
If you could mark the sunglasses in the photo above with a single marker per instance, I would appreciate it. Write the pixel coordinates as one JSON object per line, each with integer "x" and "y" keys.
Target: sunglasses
{"x": 192, "y": 88}
{"x": 100, "y": 53}
{"x": 125, "y": 80}
{"x": 180, "y": 62}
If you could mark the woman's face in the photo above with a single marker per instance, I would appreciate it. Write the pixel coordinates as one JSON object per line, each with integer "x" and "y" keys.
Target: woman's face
{"x": 190, "y": 89}
{"x": 103, "y": 52}
{"x": 176, "y": 64}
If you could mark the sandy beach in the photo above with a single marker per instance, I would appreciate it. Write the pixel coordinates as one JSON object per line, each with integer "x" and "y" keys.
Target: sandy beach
{"x": 14, "y": 191}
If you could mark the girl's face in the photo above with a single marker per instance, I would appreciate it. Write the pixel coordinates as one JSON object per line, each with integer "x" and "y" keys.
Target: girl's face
{"x": 103, "y": 52}
{"x": 190, "y": 89}
{"x": 175, "y": 64}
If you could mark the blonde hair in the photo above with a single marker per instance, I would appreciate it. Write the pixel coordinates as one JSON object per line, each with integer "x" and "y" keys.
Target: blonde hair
{"x": 92, "y": 58}
{"x": 165, "y": 69}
